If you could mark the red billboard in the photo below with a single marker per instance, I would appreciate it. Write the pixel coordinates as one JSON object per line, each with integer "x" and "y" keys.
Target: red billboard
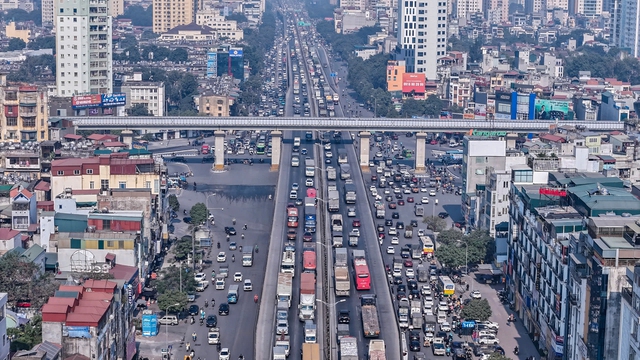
{"x": 85, "y": 101}
{"x": 553, "y": 192}
{"x": 413, "y": 82}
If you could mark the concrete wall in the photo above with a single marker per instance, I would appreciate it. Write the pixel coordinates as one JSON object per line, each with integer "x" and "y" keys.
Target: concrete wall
{"x": 47, "y": 227}
{"x": 617, "y": 278}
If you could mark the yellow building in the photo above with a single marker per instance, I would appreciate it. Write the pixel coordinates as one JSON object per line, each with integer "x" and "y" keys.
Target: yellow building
{"x": 25, "y": 116}
{"x": 116, "y": 7}
{"x": 214, "y": 105}
{"x": 167, "y": 14}
{"x": 593, "y": 142}
{"x": 114, "y": 171}
{"x": 18, "y": 31}
{"x": 395, "y": 71}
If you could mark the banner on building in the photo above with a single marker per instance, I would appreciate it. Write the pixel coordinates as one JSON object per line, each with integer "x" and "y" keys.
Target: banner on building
{"x": 114, "y": 99}
{"x": 480, "y": 111}
{"x": 86, "y": 101}
{"x": 413, "y": 82}
{"x": 212, "y": 64}
{"x": 234, "y": 52}
{"x": 552, "y": 109}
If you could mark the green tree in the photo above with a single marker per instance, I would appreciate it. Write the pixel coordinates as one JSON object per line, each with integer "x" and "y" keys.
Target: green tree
{"x": 183, "y": 247}
{"x": 138, "y": 15}
{"x": 16, "y": 44}
{"x": 169, "y": 280}
{"x": 451, "y": 255}
{"x": 26, "y": 336}
{"x": 128, "y": 41}
{"x": 43, "y": 42}
{"x": 174, "y": 204}
{"x": 433, "y": 106}
{"x": 34, "y": 68}
{"x": 138, "y": 110}
{"x": 476, "y": 309}
{"x": 450, "y": 236}
{"x": 171, "y": 297}
{"x": 199, "y": 213}
{"x": 22, "y": 281}
{"x": 179, "y": 55}
{"x": 19, "y": 15}
{"x": 434, "y": 223}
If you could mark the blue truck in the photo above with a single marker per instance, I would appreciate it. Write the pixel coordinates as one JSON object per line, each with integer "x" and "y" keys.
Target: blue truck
{"x": 310, "y": 219}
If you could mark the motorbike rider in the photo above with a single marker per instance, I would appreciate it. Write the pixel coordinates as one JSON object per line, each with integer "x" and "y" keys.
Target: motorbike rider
{"x": 194, "y": 336}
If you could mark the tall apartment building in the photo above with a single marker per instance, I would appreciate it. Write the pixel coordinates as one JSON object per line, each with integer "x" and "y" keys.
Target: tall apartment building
{"x": 116, "y": 7}
{"x": 467, "y": 7}
{"x": 48, "y": 15}
{"x": 629, "y": 30}
{"x": 168, "y": 14}
{"x": 25, "y": 116}
{"x": 497, "y": 11}
{"x": 418, "y": 45}
{"x": 588, "y": 8}
{"x": 630, "y": 316}
{"x": 83, "y": 43}
{"x": 353, "y": 4}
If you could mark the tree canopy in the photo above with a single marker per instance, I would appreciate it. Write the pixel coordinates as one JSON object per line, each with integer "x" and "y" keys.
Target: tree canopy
{"x": 16, "y": 44}
{"x": 456, "y": 250}
{"x": 603, "y": 64}
{"x": 138, "y": 15}
{"x": 199, "y": 213}
{"x": 434, "y": 223}
{"x": 169, "y": 280}
{"x": 26, "y": 336}
{"x": 166, "y": 300}
{"x": 43, "y": 42}
{"x": 22, "y": 281}
{"x": 138, "y": 110}
{"x": 476, "y": 309}
{"x": 174, "y": 204}
{"x": 180, "y": 88}
{"x": 34, "y": 68}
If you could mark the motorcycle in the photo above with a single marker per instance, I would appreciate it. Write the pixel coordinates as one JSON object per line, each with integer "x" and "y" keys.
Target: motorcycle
{"x": 194, "y": 336}
{"x": 201, "y": 322}
{"x": 218, "y": 244}
{"x": 516, "y": 350}
{"x": 206, "y": 304}
{"x": 192, "y": 320}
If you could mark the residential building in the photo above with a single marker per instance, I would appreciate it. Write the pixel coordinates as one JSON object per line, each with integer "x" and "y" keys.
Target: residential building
{"x": 168, "y": 14}
{"x": 465, "y": 8}
{"x": 630, "y": 315}
{"x": 225, "y": 29}
{"x": 20, "y": 31}
{"x": 35, "y": 254}
{"x": 5, "y": 346}
{"x": 116, "y": 8}
{"x": 26, "y": 5}
{"x": 83, "y": 48}
{"x": 353, "y": 4}
{"x": 190, "y": 33}
{"x": 459, "y": 90}
{"x": 48, "y": 15}
{"x": 588, "y": 8}
{"x": 629, "y": 29}
{"x": 25, "y": 116}
{"x": 212, "y": 104}
{"x": 418, "y": 45}
{"x": 23, "y": 209}
{"x": 151, "y": 94}
{"x": 497, "y": 11}
{"x": 9, "y": 239}
{"x": 104, "y": 172}
{"x": 395, "y": 72}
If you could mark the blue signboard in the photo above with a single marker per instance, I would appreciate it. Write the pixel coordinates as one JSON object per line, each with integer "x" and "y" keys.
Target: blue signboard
{"x": 114, "y": 99}
{"x": 77, "y": 332}
{"x": 149, "y": 325}
{"x": 233, "y": 52}
{"x": 468, "y": 324}
{"x": 212, "y": 64}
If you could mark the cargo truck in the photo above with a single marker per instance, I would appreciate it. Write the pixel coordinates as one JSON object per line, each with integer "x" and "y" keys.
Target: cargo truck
{"x": 279, "y": 353}
{"x": 283, "y": 341}
{"x": 331, "y": 173}
{"x": 353, "y": 240}
{"x": 341, "y": 273}
{"x": 403, "y": 312}
{"x": 337, "y": 239}
{"x": 247, "y": 256}
{"x": 350, "y": 193}
{"x": 349, "y": 348}
{"x": 336, "y": 222}
{"x": 345, "y": 171}
{"x": 422, "y": 273}
{"x": 416, "y": 251}
{"x": 310, "y": 218}
{"x": 343, "y": 331}
{"x": 288, "y": 265}
{"x": 377, "y": 350}
{"x": 307, "y": 304}
{"x": 380, "y": 211}
{"x": 285, "y": 282}
{"x": 311, "y": 351}
{"x": 334, "y": 201}
{"x": 336, "y": 98}
{"x": 232, "y": 295}
{"x": 309, "y": 168}
{"x": 418, "y": 210}
{"x": 370, "y": 322}
{"x": 416, "y": 321}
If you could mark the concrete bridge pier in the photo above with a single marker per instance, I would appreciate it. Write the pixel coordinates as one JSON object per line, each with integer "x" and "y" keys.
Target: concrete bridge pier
{"x": 421, "y": 148}
{"x": 276, "y": 146}
{"x": 127, "y": 138}
{"x": 365, "y": 138}
{"x": 165, "y": 135}
{"x": 176, "y": 134}
{"x": 219, "y": 150}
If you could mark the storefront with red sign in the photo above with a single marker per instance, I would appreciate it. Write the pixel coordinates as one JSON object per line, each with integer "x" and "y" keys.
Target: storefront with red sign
{"x": 413, "y": 82}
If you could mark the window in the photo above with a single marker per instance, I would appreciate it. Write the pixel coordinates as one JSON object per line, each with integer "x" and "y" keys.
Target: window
{"x": 147, "y": 185}
{"x": 60, "y": 172}
{"x": 89, "y": 171}
{"x": 106, "y": 224}
{"x": 92, "y": 185}
{"x": 12, "y": 121}
{"x": 104, "y": 184}
{"x": 122, "y": 184}
{"x": 76, "y": 172}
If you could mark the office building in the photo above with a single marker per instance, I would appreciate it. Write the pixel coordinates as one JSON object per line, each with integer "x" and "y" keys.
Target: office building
{"x": 84, "y": 48}
{"x": 48, "y": 15}
{"x": 26, "y": 5}
{"x": 224, "y": 29}
{"x": 629, "y": 30}
{"x": 630, "y": 316}
{"x": 168, "y": 14}
{"x": 465, "y": 8}
{"x": 419, "y": 45}
{"x": 148, "y": 93}
{"x": 588, "y": 8}
{"x": 226, "y": 61}
{"x": 497, "y": 11}
{"x": 212, "y": 104}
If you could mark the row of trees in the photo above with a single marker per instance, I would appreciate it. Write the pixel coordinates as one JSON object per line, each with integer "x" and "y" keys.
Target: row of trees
{"x": 134, "y": 54}
{"x": 180, "y": 88}
{"x": 139, "y": 15}
{"x": 611, "y": 64}
{"x": 456, "y": 249}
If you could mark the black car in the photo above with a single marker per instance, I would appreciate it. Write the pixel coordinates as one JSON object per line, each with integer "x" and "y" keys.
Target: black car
{"x": 399, "y": 225}
{"x": 414, "y": 294}
{"x": 212, "y": 321}
{"x": 395, "y": 215}
{"x": 414, "y": 345}
{"x": 230, "y": 230}
{"x": 299, "y": 202}
{"x": 223, "y": 309}
{"x": 414, "y": 335}
{"x": 344, "y": 317}
{"x": 397, "y": 280}
{"x": 413, "y": 285}
{"x": 443, "y": 215}
{"x": 307, "y": 236}
{"x": 398, "y": 196}
{"x": 414, "y": 223}
{"x": 194, "y": 310}
{"x": 402, "y": 288}
{"x": 388, "y": 222}
{"x": 401, "y": 295}
{"x": 388, "y": 198}
{"x": 187, "y": 220}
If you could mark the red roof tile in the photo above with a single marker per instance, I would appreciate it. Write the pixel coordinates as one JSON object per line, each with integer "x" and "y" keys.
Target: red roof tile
{"x": 8, "y": 234}
{"x": 43, "y": 186}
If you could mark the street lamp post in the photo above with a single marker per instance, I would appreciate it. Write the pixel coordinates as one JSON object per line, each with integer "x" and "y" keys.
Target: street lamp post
{"x": 331, "y": 305}
{"x": 166, "y": 329}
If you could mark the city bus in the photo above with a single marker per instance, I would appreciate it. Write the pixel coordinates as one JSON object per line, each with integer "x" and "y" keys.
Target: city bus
{"x": 260, "y": 149}
{"x": 292, "y": 217}
{"x": 361, "y": 270}
{"x": 447, "y": 287}
{"x": 309, "y": 260}
{"x": 427, "y": 246}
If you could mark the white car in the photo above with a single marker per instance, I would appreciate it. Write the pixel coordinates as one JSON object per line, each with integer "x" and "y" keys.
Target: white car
{"x": 282, "y": 327}
{"x": 409, "y": 273}
{"x": 424, "y": 189}
{"x": 397, "y": 190}
{"x": 328, "y": 154}
{"x": 248, "y": 286}
{"x": 428, "y": 301}
{"x": 309, "y": 182}
{"x": 355, "y": 232}
{"x": 428, "y": 310}
{"x": 406, "y": 191}
{"x": 200, "y": 277}
{"x": 237, "y": 277}
{"x": 488, "y": 340}
{"x": 432, "y": 192}
{"x": 475, "y": 294}
{"x": 293, "y": 194}
{"x": 327, "y": 146}
{"x": 391, "y": 250}
{"x": 442, "y": 306}
{"x": 445, "y": 326}
{"x": 295, "y": 186}
{"x": 397, "y": 272}
{"x": 372, "y": 188}
{"x": 393, "y": 231}
{"x": 425, "y": 200}
{"x": 425, "y": 290}
{"x": 395, "y": 240}
{"x": 351, "y": 212}
{"x": 420, "y": 232}
{"x": 387, "y": 191}
{"x": 224, "y": 354}
{"x": 489, "y": 324}
{"x": 222, "y": 257}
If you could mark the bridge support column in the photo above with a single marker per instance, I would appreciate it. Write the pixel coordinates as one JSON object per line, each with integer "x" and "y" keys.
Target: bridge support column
{"x": 219, "y": 150}
{"x": 421, "y": 148}
{"x": 165, "y": 135}
{"x": 365, "y": 138}
{"x": 276, "y": 146}
{"x": 127, "y": 138}
{"x": 176, "y": 135}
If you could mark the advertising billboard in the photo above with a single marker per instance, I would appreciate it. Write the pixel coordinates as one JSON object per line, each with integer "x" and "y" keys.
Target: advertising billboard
{"x": 552, "y": 109}
{"x": 212, "y": 64}
{"x": 86, "y": 101}
{"x": 114, "y": 99}
{"x": 413, "y": 82}
{"x": 480, "y": 112}
{"x": 235, "y": 52}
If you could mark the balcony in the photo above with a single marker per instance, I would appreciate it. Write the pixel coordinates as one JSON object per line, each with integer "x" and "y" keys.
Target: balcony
{"x": 22, "y": 164}
{"x": 627, "y": 294}
{"x": 28, "y": 111}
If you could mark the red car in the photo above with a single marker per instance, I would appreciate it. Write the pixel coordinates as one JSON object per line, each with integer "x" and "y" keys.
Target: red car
{"x": 392, "y": 205}
{"x": 401, "y": 202}
{"x": 410, "y": 199}
{"x": 356, "y": 223}
{"x": 374, "y": 177}
{"x": 434, "y": 142}
{"x": 408, "y": 263}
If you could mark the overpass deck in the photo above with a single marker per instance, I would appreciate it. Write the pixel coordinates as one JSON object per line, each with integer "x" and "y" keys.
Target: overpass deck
{"x": 160, "y": 124}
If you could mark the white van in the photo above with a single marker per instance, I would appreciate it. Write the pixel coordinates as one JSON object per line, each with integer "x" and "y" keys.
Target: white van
{"x": 295, "y": 161}
{"x": 453, "y": 143}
